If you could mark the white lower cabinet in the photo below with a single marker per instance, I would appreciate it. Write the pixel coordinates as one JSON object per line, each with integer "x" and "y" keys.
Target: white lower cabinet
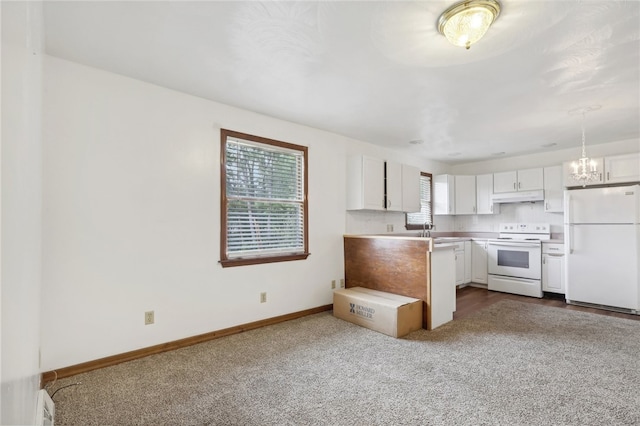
{"x": 460, "y": 265}
{"x": 479, "y": 271}
{"x": 463, "y": 262}
{"x": 553, "y": 268}
{"x": 467, "y": 262}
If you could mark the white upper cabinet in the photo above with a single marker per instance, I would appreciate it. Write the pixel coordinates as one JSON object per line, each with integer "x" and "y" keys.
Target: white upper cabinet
{"x": 553, "y": 190}
{"x": 375, "y": 184}
{"x": 393, "y": 186}
{"x": 530, "y": 179}
{"x": 520, "y": 180}
{"x": 365, "y": 183}
{"x": 505, "y": 181}
{"x": 613, "y": 169}
{"x": 444, "y": 189}
{"x": 410, "y": 189}
{"x": 569, "y": 181}
{"x": 465, "y": 195}
{"x": 484, "y": 191}
{"x": 622, "y": 168}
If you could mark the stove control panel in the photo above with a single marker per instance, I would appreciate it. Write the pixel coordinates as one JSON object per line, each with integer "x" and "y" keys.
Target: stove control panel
{"x": 525, "y": 228}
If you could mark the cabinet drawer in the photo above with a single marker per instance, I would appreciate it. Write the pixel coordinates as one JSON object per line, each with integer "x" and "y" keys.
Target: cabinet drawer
{"x": 553, "y": 248}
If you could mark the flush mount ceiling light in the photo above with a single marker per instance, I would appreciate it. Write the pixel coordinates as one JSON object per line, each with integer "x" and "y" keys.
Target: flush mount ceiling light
{"x": 463, "y": 24}
{"x": 584, "y": 170}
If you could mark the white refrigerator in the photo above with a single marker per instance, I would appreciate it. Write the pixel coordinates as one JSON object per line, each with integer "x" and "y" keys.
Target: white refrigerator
{"x": 602, "y": 239}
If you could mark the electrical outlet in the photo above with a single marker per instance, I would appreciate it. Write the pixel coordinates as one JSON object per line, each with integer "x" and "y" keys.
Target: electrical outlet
{"x": 389, "y": 228}
{"x": 263, "y": 297}
{"x": 148, "y": 318}
{"x": 333, "y": 284}
{"x": 341, "y": 282}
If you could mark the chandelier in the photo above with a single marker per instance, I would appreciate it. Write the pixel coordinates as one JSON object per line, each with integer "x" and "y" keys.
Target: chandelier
{"x": 463, "y": 24}
{"x": 584, "y": 170}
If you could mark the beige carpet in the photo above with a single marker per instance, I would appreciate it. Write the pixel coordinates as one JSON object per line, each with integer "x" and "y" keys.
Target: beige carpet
{"x": 512, "y": 363}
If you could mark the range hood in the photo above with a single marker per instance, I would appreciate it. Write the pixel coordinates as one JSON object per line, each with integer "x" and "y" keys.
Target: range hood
{"x": 518, "y": 197}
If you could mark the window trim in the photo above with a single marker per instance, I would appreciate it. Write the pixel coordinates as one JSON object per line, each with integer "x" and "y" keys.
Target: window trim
{"x": 412, "y": 226}
{"x": 255, "y": 260}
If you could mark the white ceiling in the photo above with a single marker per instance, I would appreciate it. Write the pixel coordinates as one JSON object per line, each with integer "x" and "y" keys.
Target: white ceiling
{"x": 379, "y": 71}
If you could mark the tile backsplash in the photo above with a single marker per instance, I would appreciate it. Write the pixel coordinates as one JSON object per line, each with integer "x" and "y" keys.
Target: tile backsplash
{"x": 373, "y": 222}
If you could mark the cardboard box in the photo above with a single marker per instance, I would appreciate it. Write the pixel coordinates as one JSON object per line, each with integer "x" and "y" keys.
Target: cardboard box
{"x": 388, "y": 313}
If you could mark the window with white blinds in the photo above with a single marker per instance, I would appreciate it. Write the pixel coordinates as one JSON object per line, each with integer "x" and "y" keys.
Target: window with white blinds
{"x": 418, "y": 219}
{"x": 264, "y": 200}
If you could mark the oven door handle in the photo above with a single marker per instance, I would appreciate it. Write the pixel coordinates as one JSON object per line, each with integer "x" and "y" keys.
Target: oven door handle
{"x": 491, "y": 243}
{"x": 524, "y": 280}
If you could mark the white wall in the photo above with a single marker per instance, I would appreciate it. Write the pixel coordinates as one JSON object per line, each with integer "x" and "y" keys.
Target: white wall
{"x": 131, "y": 217}
{"x": 20, "y": 226}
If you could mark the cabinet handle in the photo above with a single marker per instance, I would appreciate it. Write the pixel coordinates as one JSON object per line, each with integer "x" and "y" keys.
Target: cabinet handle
{"x": 519, "y": 185}
{"x": 474, "y": 209}
{"x": 544, "y": 260}
{"x": 514, "y": 185}
{"x": 600, "y": 177}
{"x": 491, "y": 208}
{"x": 546, "y": 206}
{"x": 607, "y": 176}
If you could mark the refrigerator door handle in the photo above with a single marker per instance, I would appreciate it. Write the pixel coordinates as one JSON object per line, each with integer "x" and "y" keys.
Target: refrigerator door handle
{"x": 571, "y": 238}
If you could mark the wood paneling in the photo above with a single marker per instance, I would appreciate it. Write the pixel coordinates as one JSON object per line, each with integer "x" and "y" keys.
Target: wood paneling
{"x": 394, "y": 265}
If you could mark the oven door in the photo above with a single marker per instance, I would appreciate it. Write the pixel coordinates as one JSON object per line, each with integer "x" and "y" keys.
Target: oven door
{"x": 515, "y": 259}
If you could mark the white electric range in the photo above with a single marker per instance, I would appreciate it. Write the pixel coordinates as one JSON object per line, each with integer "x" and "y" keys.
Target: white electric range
{"x": 515, "y": 258}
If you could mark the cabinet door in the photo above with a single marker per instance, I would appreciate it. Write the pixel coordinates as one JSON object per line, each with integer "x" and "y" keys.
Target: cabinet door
{"x": 505, "y": 182}
{"x": 467, "y": 262}
{"x": 553, "y": 273}
{"x": 393, "y": 186}
{"x": 479, "y": 271}
{"x": 553, "y": 190}
{"x": 567, "y": 169}
{"x": 622, "y": 168}
{"x": 372, "y": 183}
{"x": 484, "y": 191}
{"x": 465, "y": 195}
{"x": 443, "y": 195}
{"x": 459, "y": 267}
{"x": 365, "y": 183}
{"x": 530, "y": 179}
{"x": 410, "y": 189}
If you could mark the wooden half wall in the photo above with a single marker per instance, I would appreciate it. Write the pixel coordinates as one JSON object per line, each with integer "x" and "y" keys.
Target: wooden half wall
{"x": 393, "y": 264}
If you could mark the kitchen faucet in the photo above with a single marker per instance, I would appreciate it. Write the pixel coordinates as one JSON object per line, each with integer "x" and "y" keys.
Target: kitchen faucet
{"x": 426, "y": 233}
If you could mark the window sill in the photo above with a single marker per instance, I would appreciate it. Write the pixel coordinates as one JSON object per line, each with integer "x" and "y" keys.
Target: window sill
{"x": 227, "y": 263}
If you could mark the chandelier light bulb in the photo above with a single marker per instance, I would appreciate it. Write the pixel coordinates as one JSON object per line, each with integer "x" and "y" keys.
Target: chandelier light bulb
{"x": 584, "y": 170}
